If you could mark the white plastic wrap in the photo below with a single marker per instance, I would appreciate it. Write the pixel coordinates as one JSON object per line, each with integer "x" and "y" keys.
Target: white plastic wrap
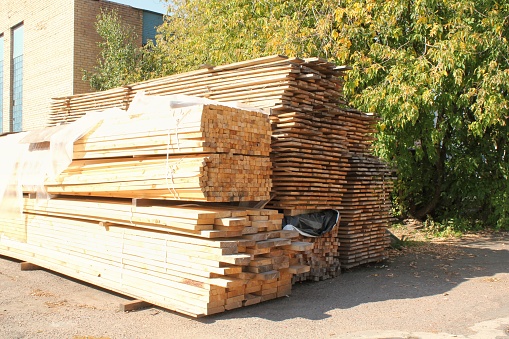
{"x": 10, "y": 190}
{"x": 62, "y": 142}
{"x": 29, "y": 158}
{"x": 162, "y": 104}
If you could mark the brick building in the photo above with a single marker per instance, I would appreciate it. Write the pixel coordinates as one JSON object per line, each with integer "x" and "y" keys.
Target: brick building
{"x": 44, "y": 46}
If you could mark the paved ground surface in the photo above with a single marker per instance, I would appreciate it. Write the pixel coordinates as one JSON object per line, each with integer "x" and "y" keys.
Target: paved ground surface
{"x": 458, "y": 289}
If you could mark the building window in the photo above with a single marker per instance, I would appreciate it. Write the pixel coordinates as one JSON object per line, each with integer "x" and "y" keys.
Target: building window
{"x": 1, "y": 83}
{"x": 17, "y": 78}
{"x": 150, "y": 23}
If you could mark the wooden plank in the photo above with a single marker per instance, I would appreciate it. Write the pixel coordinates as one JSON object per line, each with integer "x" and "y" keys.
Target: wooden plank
{"x": 133, "y": 305}
{"x": 298, "y": 269}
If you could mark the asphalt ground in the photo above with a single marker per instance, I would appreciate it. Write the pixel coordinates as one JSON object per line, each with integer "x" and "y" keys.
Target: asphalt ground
{"x": 441, "y": 289}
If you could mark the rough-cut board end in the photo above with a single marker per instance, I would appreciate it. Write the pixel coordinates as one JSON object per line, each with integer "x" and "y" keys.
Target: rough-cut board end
{"x": 28, "y": 266}
{"x": 298, "y": 269}
{"x": 133, "y": 305}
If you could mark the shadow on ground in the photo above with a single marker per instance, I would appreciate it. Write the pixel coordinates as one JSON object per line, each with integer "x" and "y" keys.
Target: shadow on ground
{"x": 425, "y": 269}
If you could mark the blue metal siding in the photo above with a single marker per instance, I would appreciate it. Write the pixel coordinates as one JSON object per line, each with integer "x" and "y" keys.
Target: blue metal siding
{"x": 151, "y": 21}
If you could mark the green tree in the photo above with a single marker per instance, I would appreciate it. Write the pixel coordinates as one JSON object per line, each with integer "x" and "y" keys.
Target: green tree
{"x": 436, "y": 72}
{"x": 218, "y": 32}
{"x": 122, "y": 60}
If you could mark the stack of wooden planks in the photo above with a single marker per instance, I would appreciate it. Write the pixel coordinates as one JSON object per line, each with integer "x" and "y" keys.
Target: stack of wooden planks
{"x": 323, "y": 258}
{"x": 276, "y": 82}
{"x": 70, "y": 108}
{"x": 201, "y": 153}
{"x": 315, "y": 136}
{"x": 309, "y": 166}
{"x": 366, "y": 212}
{"x": 144, "y": 232}
{"x": 188, "y": 130}
{"x": 214, "y": 178}
{"x": 310, "y": 131}
{"x": 366, "y": 202}
{"x": 196, "y": 260}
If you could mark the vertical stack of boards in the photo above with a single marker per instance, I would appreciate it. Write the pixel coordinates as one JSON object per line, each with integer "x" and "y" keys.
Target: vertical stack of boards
{"x": 320, "y": 153}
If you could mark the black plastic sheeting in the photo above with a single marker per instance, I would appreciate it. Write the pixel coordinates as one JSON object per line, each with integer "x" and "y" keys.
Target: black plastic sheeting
{"x": 312, "y": 224}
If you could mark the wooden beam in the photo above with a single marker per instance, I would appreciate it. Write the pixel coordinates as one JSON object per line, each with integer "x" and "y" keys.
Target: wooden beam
{"x": 134, "y": 305}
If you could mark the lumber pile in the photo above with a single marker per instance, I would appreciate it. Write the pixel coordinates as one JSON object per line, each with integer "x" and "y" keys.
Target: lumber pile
{"x": 197, "y": 260}
{"x": 201, "y": 128}
{"x": 322, "y": 257}
{"x": 276, "y": 82}
{"x": 316, "y": 139}
{"x": 141, "y": 208}
{"x": 366, "y": 202}
{"x": 309, "y": 168}
{"x": 214, "y": 177}
{"x": 71, "y": 108}
{"x": 366, "y": 214}
{"x": 311, "y": 134}
{"x": 201, "y": 153}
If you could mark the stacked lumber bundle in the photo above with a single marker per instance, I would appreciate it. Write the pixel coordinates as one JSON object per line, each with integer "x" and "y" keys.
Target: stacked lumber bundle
{"x": 214, "y": 178}
{"x": 309, "y": 166}
{"x": 276, "y": 82}
{"x": 144, "y": 232}
{"x": 259, "y": 83}
{"x": 366, "y": 203}
{"x": 201, "y": 153}
{"x": 323, "y": 258}
{"x": 196, "y": 260}
{"x": 366, "y": 214}
{"x": 309, "y": 129}
{"x": 202, "y": 128}
{"x": 311, "y": 133}
{"x": 70, "y": 108}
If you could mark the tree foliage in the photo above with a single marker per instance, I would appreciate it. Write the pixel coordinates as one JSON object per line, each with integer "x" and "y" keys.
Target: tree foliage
{"x": 217, "y": 32}
{"x": 436, "y": 72}
{"x": 122, "y": 60}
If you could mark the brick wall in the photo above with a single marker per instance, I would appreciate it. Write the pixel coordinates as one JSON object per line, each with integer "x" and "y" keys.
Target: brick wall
{"x": 59, "y": 41}
{"x": 47, "y": 55}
